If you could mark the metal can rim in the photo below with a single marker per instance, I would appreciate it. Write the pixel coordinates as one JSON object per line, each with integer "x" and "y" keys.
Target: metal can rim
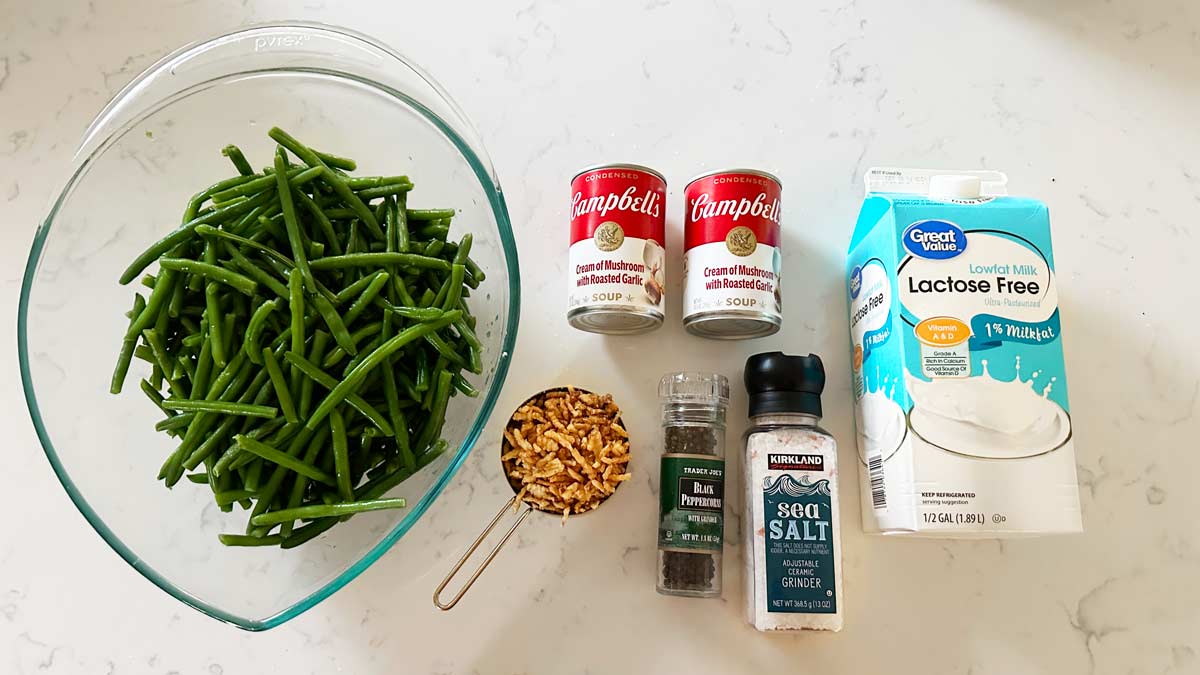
{"x": 752, "y": 172}
{"x": 620, "y": 165}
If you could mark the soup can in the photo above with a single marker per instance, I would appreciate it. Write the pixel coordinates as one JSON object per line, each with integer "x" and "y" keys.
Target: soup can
{"x": 732, "y": 260}
{"x": 616, "y": 276}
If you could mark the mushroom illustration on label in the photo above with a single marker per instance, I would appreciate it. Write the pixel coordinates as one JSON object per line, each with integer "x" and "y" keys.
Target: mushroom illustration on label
{"x": 653, "y": 280}
{"x": 777, "y": 267}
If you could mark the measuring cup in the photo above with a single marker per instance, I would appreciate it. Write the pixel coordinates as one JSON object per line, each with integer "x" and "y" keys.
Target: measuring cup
{"x": 515, "y": 485}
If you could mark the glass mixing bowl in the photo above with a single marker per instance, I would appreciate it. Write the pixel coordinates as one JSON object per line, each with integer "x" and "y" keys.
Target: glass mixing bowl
{"x": 154, "y": 145}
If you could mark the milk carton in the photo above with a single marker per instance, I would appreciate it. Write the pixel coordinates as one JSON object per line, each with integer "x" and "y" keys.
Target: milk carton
{"x": 961, "y": 395}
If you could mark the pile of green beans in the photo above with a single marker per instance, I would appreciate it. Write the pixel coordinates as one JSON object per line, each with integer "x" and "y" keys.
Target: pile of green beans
{"x": 305, "y": 331}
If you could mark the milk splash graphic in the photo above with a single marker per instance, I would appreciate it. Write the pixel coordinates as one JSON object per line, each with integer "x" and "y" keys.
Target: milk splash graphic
{"x": 981, "y": 416}
{"x": 880, "y": 422}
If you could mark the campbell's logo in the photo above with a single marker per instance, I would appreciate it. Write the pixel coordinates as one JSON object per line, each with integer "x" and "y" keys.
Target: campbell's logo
{"x": 647, "y": 202}
{"x": 935, "y": 239}
{"x": 704, "y": 206}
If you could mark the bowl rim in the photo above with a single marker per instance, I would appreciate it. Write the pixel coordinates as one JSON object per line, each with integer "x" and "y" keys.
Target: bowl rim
{"x": 484, "y": 172}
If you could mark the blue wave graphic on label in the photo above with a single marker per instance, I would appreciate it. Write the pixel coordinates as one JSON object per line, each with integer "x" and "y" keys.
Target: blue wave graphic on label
{"x": 875, "y": 338}
{"x": 786, "y": 485}
{"x": 989, "y": 331}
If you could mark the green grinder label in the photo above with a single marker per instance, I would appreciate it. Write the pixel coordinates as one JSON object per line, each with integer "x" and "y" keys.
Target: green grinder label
{"x": 691, "y": 502}
{"x": 799, "y": 545}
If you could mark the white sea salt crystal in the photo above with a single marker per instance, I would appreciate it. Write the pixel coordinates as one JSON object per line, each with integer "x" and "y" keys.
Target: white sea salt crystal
{"x": 793, "y": 555}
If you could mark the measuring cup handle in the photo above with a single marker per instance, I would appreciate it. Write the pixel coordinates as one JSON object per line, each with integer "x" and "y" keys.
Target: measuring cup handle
{"x": 437, "y": 592}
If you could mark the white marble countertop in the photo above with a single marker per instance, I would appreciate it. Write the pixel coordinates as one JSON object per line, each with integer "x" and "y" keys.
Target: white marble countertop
{"x": 1090, "y": 106}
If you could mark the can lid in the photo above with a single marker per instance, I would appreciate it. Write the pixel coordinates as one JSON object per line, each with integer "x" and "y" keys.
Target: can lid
{"x": 619, "y": 165}
{"x": 780, "y": 383}
{"x": 694, "y": 388}
{"x": 752, "y": 172}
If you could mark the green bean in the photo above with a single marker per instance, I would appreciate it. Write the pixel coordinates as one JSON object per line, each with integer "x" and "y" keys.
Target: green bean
{"x": 295, "y": 177}
{"x": 429, "y": 214}
{"x": 416, "y": 313}
{"x": 160, "y": 355}
{"x": 315, "y": 448}
{"x": 406, "y": 383}
{"x": 445, "y": 349}
{"x": 253, "y": 338}
{"x": 284, "y": 460}
{"x": 364, "y": 182}
{"x": 380, "y": 259}
{"x": 427, "y": 298}
{"x": 212, "y": 272}
{"x": 197, "y": 200}
{"x": 352, "y": 291}
{"x": 258, "y": 185}
{"x": 394, "y": 235}
{"x": 209, "y": 231}
{"x": 308, "y": 533}
{"x": 474, "y": 272}
{"x": 437, "y": 414}
{"x": 199, "y": 478}
{"x": 296, "y": 305}
{"x": 128, "y": 346}
{"x": 266, "y": 494}
{"x": 337, "y": 354}
{"x": 327, "y": 511}
{"x": 356, "y": 376}
{"x": 438, "y": 366}
{"x": 252, "y": 476}
{"x": 155, "y": 304}
{"x": 378, "y": 280}
{"x": 324, "y": 379}
{"x": 392, "y": 396}
{"x": 336, "y": 162}
{"x": 248, "y": 540}
{"x": 362, "y": 353}
{"x": 295, "y": 240}
{"x": 341, "y": 455}
{"x": 175, "y": 422}
{"x": 152, "y": 393}
{"x": 255, "y": 272}
{"x": 377, "y": 488}
{"x": 335, "y": 323}
{"x": 332, "y": 179}
{"x": 239, "y": 160}
{"x": 322, "y": 222}
{"x": 277, "y": 380}
{"x": 227, "y": 375}
{"x": 223, "y": 407}
{"x": 186, "y": 232}
{"x": 384, "y": 191}
{"x": 435, "y": 231}
{"x": 320, "y": 342}
{"x": 461, "y": 384}
{"x": 144, "y": 353}
{"x": 422, "y": 363}
{"x": 215, "y": 318}
{"x": 434, "y": 248}
{"x": 455, "y": 281}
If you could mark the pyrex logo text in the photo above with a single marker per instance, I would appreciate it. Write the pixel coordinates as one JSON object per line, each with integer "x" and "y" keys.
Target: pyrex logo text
{"x": 935, "y": 239}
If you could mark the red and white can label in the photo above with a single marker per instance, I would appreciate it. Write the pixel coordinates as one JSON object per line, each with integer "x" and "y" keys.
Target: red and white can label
{"x": 731, "y": 244}
{"x": 618, "y": 228}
